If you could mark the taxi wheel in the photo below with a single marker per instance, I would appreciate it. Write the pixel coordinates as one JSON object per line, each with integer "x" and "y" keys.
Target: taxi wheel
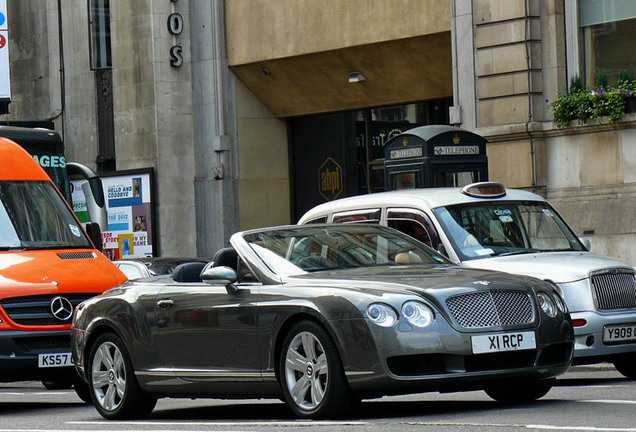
{"x": 311, "y": 374}
{"x": 519, "y": 393}
{"x": 626, "y": 365}
{"x": 112, "y": 383}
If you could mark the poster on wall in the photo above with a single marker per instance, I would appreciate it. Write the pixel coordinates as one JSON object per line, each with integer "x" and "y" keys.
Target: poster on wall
{"x": 129, "y": 204}
{"x": 5, "y": 82}
{"x": 130, "y": 214}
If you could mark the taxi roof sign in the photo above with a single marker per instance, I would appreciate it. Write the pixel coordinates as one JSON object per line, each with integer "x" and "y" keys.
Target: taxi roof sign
{"x": 484, "y": 190}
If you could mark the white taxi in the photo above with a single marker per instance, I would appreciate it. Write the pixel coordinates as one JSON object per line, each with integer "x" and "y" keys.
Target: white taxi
{"x": 485, "y": 225}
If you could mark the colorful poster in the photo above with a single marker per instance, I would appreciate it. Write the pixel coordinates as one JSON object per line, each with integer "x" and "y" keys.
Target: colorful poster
{"x": 129, "y": 208}
{"x": 5, "y": 81}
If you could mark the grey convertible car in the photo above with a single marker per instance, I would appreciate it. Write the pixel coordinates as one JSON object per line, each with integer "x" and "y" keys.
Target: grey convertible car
{"x": 321, "y": 316}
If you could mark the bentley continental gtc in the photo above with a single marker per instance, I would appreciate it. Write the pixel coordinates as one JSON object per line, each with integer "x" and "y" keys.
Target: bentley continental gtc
{"x": 321, "y": 316}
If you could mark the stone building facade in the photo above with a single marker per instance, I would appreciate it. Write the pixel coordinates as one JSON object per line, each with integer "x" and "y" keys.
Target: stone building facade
{"x": 264, "y": 87}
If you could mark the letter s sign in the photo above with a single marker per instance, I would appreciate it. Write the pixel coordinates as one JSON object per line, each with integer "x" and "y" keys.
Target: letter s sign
{"x": 176, "y": 59}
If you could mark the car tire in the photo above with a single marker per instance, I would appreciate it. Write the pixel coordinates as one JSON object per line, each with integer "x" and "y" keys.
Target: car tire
{"x": 519, "y": 393}
{"x": 311, "y": 374}
{"x": 82, "y": 390}
{"x": 112, "y": 384}
{"x": 57, "y": 385}
{"x": 626, "y": 365}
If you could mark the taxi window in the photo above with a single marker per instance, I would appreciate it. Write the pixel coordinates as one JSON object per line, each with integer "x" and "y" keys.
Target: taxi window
{"x": 414, "y": 223}
{"x": 322, "y": 219}
{"x": 358, "y": 216}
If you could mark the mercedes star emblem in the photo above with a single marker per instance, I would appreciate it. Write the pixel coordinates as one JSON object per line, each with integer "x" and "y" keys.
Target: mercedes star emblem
{"x": 61, "y": 308}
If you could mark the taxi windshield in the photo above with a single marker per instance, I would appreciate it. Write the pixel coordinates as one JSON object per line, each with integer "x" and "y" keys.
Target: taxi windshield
{"x": 34, "y": 216}
{"x": 486, "y": 229}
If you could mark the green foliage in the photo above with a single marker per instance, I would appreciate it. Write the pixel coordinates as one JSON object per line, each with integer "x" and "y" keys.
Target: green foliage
{"x": 601, "y": 80}
{"x": 586, "y": 105}
{"x": 624, "y": 76}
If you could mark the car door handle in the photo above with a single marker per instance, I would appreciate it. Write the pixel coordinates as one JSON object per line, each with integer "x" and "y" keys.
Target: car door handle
{"x": 165, "y": 304}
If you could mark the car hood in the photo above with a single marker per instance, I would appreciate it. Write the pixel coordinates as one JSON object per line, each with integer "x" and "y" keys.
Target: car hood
{"x": 559, "y": 267}
{"x": 421, "y": 279}
{"x": 56, "y": 271}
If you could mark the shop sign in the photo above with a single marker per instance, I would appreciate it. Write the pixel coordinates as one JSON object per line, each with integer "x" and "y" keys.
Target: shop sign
{"x": 175, "y": 28}
{"x": 5, "y": 82}
{"x": 456, "y": 150}
{"x": 330, "y": 182}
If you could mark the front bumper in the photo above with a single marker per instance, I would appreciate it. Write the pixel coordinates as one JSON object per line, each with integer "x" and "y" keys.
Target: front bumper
{"x": 589, "y": 345}
{"x": 19, "y": 351}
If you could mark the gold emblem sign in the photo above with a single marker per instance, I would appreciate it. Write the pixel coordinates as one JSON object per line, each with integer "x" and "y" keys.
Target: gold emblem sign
{"x": 330, "y": 183}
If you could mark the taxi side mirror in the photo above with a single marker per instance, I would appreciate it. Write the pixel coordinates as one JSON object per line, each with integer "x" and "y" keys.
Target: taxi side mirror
{"x": 586, "y": 243}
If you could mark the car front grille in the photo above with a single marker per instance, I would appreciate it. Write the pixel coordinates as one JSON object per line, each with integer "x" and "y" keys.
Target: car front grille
{"x": 614, "y": 289}
{"x": 36, "y": 310}
{"x": 491, "y": 308}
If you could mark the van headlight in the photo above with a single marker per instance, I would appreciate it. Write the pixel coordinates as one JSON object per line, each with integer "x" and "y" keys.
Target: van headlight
{"x": 382, "y": 314}
{"x": 547, "y": 304}
{"x": 417, "y": 313}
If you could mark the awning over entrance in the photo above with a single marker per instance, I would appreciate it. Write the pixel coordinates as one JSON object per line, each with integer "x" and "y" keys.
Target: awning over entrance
{"x": 396, "y": 72}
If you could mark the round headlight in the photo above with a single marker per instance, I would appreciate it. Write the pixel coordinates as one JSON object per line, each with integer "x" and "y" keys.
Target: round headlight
{"x": 547, "y": 304}
{"x": 560, "y": 303}
{"x": 417, "y": 313}
{"x": 381, "y": 314}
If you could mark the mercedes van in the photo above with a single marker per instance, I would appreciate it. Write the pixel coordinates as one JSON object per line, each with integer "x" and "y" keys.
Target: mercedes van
{"x": 484, "y": 225}
{"x": 48, "y": 265}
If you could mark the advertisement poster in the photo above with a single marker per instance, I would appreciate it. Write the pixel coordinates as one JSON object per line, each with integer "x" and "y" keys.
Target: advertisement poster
{"x": 5, "y": 81}
{"x": 128, "y": 197}
{"x": 129, "y": 206}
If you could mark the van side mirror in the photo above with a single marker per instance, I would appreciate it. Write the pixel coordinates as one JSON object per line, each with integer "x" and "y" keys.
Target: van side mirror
{"x": 95, "y": 234}
{"x": 221, "y": 275}
{"x": 586, "y": 243}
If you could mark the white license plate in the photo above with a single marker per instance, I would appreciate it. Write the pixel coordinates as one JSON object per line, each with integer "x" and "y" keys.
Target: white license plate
{"x": 498, "y": 342}
{"x": 617, "y": 334}
{"x": 54, "y": 360}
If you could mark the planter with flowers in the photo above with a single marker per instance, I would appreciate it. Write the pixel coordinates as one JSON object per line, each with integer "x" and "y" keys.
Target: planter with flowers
{"x": 587, "y": 105}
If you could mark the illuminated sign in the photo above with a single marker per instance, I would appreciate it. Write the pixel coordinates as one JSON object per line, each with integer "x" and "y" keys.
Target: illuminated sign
{"x": 5, "y": 81}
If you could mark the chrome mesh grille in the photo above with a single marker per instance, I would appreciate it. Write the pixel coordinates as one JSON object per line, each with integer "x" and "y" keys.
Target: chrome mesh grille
{"x": 491, "y": 308}
{"x": 614, "y": 290}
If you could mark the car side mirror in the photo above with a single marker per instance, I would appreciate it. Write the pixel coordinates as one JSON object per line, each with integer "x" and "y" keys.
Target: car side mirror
{"x": 586, "y": 243}
{"x": 441, "y": 249}
{"x": 95, "y": 234}
{"x": 221, "y": 275}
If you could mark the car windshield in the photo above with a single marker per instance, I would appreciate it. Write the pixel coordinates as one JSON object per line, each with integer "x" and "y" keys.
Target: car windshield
{"x": 34, "y": 216}
{"x": 313, "y": 248}
{"x": 486, "y": 229}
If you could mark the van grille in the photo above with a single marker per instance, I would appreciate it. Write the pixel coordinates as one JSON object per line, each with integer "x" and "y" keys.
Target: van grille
{"x": 44, "y": 343}
{"x": 36, "y": 310}
{"x": 491, "y": 308}
{"x": 614, "y": 289}
{"x": 76, "y": 255}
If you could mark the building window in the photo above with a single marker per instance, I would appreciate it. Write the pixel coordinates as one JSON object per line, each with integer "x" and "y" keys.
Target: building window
{"x": 99, "y": 30}
{"x": 607, "y": 39}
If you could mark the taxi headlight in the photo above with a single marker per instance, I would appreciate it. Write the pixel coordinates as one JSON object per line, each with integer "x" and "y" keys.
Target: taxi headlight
{"x": 381, "y": 314}
{"x": 547, "y": 304}
{"x": 418, "y": 314}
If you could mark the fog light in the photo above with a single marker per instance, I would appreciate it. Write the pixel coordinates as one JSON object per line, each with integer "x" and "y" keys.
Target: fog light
{"x": 589, "y": 341}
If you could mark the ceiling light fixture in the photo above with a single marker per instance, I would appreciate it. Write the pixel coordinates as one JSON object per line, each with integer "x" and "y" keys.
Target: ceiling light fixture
{"x": 357, "y": 77}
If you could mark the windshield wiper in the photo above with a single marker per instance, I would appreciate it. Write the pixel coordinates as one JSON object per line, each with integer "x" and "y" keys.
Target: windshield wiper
{"x": 518, "y": 252}
{"x": 11, "y": 248}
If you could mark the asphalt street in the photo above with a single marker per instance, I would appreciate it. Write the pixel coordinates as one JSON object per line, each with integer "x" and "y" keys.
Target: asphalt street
{"x": 591, "y": 398}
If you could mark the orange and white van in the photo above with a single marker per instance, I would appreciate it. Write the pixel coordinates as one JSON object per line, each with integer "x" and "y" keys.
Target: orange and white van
{"x": 48, "y": 265}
